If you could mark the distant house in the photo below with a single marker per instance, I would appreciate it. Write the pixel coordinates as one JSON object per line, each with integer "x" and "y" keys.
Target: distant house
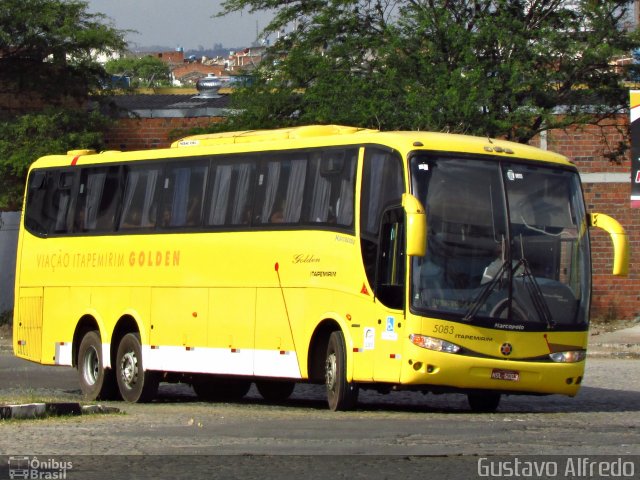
{"x": 246, "y": 59}
{"x": 188, "y": 74}
{"x": 172, "y": 58}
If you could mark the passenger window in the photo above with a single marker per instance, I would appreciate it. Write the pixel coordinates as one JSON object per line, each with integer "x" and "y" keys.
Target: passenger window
{"x": 281, "y": 184}
{"x": 98, "y": 198}
{"x": 49, "y": 202}
{"x": 382, "y": 186}
{"x": 331, "y": 186}
{"x": 140, "y": 200}
{"x": 231, "y": 194}
{"x": 183, "y": 194}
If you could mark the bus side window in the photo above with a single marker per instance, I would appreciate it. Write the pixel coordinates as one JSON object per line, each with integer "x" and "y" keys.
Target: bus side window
{"x": 62, "y": 202}
{"x": 330, "y": 187}
{"x": 98, "y": 199}
{"x": 344, "y": 204}
{"x": 35, "y": 219}
{"x": 49, "y": 202}
{"x": 139, "y": 205}
{"x": 183, "y": 194}
{"x": 231, "y": 195}
{"x": 281, "y": 184}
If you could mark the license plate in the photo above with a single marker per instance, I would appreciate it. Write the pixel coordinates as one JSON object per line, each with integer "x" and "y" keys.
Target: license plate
{"x": 509, "y": 375}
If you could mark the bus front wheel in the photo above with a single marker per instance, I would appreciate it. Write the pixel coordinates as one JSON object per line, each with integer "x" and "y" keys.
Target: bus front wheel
{"x": 96, "y": 382}
{"x": 341, "y": 395}
{"x": 135, "y": 384}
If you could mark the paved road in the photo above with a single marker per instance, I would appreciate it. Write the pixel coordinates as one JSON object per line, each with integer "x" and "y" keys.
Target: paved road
{"x": 602, "y": 420}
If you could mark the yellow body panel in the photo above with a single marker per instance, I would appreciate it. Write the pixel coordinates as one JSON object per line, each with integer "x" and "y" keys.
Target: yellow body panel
{"x": 232, "y": 316}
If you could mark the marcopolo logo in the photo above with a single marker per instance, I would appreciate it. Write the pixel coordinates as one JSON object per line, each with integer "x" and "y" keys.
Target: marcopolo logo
{"x": 506, "y": 349}
{"x": 21, "y": 467}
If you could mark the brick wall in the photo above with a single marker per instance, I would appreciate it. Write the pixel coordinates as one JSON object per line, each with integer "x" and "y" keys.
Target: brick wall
{"x": 612, "y": 296}
{"x": 149, "y": 133}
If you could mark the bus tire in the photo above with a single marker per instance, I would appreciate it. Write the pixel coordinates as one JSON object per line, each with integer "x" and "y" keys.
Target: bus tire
{"x": 341, "y": 395}
{"x": 135, "y": 384}
{"x": 484, "y": 402}
{"x": 275, "y": 391}
{"x": 96, "y": 382}
{"x": 212, "y": 389}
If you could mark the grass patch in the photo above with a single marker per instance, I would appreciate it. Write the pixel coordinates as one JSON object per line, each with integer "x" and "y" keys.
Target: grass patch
{"x": 28, "y": 396}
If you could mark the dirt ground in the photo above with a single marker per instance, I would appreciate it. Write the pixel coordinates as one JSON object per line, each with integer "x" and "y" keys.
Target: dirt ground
{"x": 5, "y": 334}
{"x": 599, "y": 326}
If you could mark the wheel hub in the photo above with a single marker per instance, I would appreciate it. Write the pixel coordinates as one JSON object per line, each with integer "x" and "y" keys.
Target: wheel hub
{"x": 129, "y": 369}
{"x": 91, "y": 366}
{"x": 330, "y": 372}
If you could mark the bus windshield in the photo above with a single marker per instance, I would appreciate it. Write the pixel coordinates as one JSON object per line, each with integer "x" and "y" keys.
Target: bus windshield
{"x": 507, "y": 244}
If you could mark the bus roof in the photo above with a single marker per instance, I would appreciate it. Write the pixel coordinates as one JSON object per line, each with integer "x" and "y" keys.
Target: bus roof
{"x": 314, "y": 136}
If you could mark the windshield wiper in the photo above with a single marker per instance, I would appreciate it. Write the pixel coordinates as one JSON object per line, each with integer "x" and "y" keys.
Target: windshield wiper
{"x": 536, "y": 295}
{"x": 522, "y": 269}
{"x": 482, "y": 297}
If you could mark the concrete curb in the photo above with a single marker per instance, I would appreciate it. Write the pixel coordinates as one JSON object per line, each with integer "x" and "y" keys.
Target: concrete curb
{"x": 51, "y": 409}
{"x": 614, "y": 350}
{"x": 623, "y": 344}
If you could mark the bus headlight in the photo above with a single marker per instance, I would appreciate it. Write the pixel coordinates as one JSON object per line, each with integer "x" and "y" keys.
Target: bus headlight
{"x": 431, "y": 343}
{"x": 571, "y": 356}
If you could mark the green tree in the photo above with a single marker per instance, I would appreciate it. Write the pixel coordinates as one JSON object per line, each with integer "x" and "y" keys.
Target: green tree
{"x": 493, "y": 67}
{"x": 48, "y": 50}
{"x": 147, "y": 71}
{"x": 32, "y": 135}
{"x": 47, "y": 73}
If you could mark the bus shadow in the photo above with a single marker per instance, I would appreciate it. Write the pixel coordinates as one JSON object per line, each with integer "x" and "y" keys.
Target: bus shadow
{"x": 305, "y": 396}
{"x": 589, "y": 400}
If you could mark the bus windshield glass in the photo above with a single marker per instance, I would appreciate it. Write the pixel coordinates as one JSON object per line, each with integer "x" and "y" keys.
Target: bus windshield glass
{"x": 507, "y": 244}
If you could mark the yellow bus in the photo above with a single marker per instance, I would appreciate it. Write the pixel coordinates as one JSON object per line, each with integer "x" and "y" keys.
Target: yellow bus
{"x": 327, "y": 254}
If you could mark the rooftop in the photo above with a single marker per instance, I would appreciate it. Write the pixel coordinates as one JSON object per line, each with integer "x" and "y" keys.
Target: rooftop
{"x": 170, "y": 106}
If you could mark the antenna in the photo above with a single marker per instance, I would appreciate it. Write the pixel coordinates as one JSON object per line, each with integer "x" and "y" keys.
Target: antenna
{"x": 284, "y": 301}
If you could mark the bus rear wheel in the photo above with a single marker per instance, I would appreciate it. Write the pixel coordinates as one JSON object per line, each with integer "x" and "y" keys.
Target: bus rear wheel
{"x": 341, "y": 395}
{"x": 135, "y": 384}
{"x": 96, "y": 382}
{"x": 275, "y": 391}
{"x": 485, "y": 402}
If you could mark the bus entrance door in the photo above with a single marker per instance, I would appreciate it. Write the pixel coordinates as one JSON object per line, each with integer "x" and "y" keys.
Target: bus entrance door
{"x": 390, "y": 294}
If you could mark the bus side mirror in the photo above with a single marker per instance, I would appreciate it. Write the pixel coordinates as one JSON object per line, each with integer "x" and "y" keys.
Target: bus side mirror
{"x": 619, "y": 239}
{"x": 416, "y": 226}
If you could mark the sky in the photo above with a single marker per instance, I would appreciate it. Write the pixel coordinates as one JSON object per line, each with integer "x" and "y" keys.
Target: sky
{"x": 180, "y": 23}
